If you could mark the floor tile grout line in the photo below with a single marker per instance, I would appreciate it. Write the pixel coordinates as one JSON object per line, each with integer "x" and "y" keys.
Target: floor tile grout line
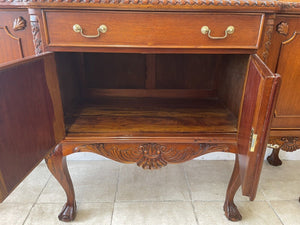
{"x": 190, "y": 194}
{"x": 37, "y": 198}
{"x": 268, "y": 202}
{"x": 115, "y": 197}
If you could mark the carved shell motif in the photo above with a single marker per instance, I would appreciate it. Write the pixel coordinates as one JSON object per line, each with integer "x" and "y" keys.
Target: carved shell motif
{"x": 19, "y": 23}
{"x": 282, "y": 28}
{"x": 151, "y": 156}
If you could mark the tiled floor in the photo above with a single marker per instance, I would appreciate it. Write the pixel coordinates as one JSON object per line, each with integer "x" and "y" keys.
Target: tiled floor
{"x": 186, "y": 194}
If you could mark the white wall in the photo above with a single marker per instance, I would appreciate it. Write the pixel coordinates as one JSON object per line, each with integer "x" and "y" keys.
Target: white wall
{"x": 212, "y": 156}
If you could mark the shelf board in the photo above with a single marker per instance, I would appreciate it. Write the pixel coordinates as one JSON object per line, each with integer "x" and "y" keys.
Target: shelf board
{"x": 155, "y": 117}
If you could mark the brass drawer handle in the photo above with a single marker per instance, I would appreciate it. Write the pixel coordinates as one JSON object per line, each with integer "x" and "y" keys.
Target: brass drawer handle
{"x": 206, "y": 30}
{"x": 101, "y": 29}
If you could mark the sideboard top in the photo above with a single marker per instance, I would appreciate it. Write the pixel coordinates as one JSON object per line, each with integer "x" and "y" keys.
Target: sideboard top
{"x": 189, "y": 5}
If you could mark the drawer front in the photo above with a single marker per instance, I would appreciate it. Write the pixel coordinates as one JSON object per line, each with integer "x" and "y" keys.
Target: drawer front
{"x": 153, "y": 29}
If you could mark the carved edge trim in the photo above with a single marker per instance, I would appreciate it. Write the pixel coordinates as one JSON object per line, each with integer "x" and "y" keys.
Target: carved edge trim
{"x": 291, "y": 38}
{"x": 286, "y": 143}
{"x": 151, "y": 155}
{"x": 241, "y": 3}
{"x": 35, "y": 29}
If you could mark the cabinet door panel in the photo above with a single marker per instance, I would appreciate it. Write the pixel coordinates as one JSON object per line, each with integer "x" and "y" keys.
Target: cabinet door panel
{"x": 16, "y": 39}
{"x": 31, "y": 118}
{"x": 287, "y": 113}
{"x": 259, "y": 99}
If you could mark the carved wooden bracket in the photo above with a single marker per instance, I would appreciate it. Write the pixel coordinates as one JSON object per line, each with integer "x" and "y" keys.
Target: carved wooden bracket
{"x": 19, "y": 24}
{"x": 282, "y": 28}
{"x": 288, "y": 144}
{"x": 151, "y": 155}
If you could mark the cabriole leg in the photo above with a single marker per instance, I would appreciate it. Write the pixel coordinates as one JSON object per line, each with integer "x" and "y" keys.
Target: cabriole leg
{"x": 231, "y": 210}
{"x": 273, "y": 159}
{"x": 57, "y": 165}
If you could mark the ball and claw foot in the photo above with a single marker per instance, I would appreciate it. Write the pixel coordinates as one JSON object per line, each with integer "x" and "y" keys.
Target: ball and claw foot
{"x": 274, "y": 159}
{"x": 68, "y": 213}
{"x": 231, "y": 212}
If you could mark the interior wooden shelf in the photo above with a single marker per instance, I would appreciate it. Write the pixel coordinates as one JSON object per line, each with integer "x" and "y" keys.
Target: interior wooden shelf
{"x": 128, "y": 117}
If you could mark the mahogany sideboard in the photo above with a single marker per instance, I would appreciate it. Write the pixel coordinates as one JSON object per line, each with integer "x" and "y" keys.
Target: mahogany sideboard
{"x": 145, "y": 82}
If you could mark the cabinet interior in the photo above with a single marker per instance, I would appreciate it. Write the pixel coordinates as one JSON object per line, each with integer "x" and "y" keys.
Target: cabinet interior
{"x": 114, "y": 94}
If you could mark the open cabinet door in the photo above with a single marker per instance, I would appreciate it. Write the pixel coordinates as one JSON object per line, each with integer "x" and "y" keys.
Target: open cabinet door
{"x": 260, "y": 93}
{"x": 31, "y": 117}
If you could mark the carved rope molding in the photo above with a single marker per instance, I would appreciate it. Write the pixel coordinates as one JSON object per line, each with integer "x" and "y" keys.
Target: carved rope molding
{"x": 242, "y": 3}
{"x": 151, "y": 155}
{"x": 288, "y": 144}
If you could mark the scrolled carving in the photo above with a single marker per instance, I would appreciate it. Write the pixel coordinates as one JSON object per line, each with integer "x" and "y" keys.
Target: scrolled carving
{"x": 282, "y": 28}
{"x": 35, "y": 29}
{"x": 19, "y": 24}
{"x": 151, "y": 155}
{"x": 288, "y": 144}
{"x": 268, "y": 37}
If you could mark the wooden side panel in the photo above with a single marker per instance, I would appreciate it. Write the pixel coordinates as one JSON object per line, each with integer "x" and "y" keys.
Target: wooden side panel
{"x": 15, "y": 35}
{"x": 230, "y": 80}
{"x": 260, "y": 94}
{"x": 31, "y": 120}
{"x": 287, "y": 113}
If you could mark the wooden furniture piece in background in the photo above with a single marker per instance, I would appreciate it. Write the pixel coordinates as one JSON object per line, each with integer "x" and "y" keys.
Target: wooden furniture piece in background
{"x": 181, "y": 82}
{"x": 285, "y": 60}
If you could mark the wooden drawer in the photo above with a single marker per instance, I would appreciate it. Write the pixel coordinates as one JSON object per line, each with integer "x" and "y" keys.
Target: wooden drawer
{"x": 152, "y": 29}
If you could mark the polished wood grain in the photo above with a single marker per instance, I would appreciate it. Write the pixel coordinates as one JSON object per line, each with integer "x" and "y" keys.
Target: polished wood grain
{"x": 24, "y": 86}
{"x": 173, "y": 107}
{"x": 261, "y": 90}
{"x": 152, "y": 30}
{"x": 115, "y": 71}
{"x": 128, "y": 117}
{"x": 15, "y": 35}
{"x": 287, "y": 114}
{"x": 185, "y": 71}
{"x": 285, "y": 61}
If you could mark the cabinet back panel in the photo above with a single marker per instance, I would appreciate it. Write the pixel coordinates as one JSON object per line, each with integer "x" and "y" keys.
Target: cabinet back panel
{"x": 186, "y": 71}
{"x": 115, "y": 71}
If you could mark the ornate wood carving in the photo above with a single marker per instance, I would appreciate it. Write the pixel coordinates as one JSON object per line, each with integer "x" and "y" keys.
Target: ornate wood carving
{"x": 282, "y": 28}
{"x": 288, "y": 144}
{"x": 268, "y": 37}
{"x": 19, "y": 23}
{"x": 151, "y": 155}
{"x": 212, "y": 3}
{"x": 35, "y": 28}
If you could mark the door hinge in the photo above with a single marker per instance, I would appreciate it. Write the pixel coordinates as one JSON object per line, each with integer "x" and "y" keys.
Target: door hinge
{"x": 253, "y": 139}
